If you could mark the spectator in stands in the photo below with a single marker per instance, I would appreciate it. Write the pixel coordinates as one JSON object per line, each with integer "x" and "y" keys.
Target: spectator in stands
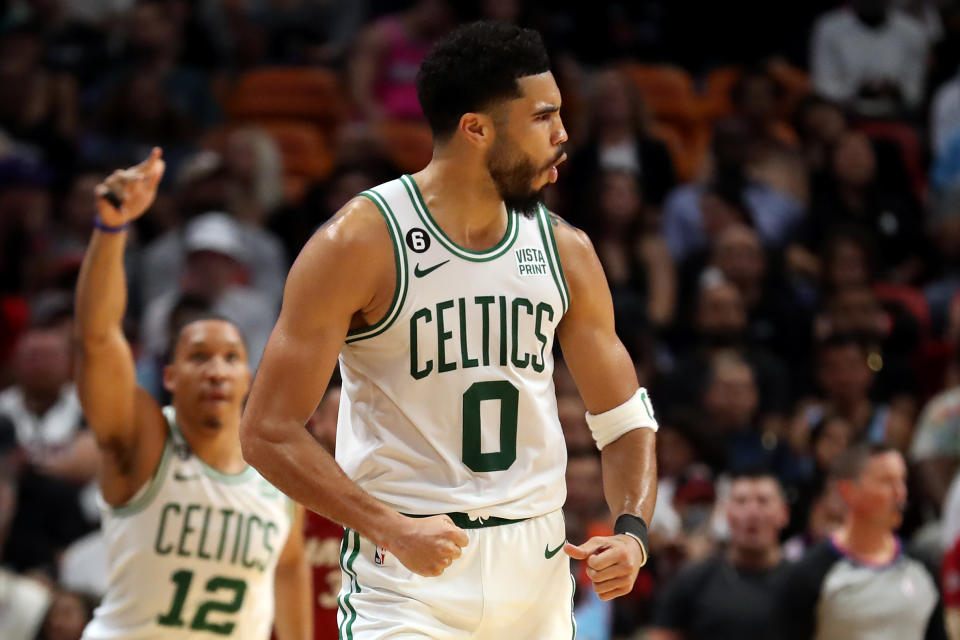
{"x": 944, "y": 234}
{"x": 619, "y": 138}
{"x": 214, "y": 270}
{"x": 731, "y": 594}
{"x": 845, "y": 377}
{"x": 945, "y": 172}
{"x": 756, "y": 99}
{"x": 855, "y": 197}
{"x": 809, "y": 495}
{"x": 731, "y": 424}
{"x": 635, "y": 258}
{"x": 253, "y": 162}
{"x": 38, "y": 106}
{"x": 720, "y": 326}
{"x": 935, "y": 450}
{"x": 62, "y": 455}
{"x": 773, "y": 213}
{"x": 207, "y": 184}
{"x": 25, "y": 221}
{"x": 945, "y": 114}
{"x": 387, "y": 56}
{"x": 860, "y": 584}
{"x": 309, "y": 32}
{"x": 888, "y": 332}
{"x": 871, "y": 58}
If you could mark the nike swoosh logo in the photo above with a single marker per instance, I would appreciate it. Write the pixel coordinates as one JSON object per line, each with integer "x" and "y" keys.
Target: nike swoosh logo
{"x": 179, "y": 476}
{"x": 547, "y": 553}
{"x": 420, "y": 273}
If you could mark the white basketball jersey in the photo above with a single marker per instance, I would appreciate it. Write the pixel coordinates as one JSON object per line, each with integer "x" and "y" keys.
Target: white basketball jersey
{"x": 448, "y": 403}
{"x": 193, "y": 554}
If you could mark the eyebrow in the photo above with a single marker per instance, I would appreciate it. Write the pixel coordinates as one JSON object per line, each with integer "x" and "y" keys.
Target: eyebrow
{"x": 547, "y": 108}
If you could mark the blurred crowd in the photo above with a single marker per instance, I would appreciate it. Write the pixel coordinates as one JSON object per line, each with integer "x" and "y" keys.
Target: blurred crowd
{"x": 773, "y": 190}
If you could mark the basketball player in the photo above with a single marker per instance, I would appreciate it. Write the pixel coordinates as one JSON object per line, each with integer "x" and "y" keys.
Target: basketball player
{"x": 199, "y": 544}
{"x": 442, "y": 293}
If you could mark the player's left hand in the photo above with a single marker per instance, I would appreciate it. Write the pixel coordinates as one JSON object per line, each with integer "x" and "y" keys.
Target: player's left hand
{"x": 613, "y": 563}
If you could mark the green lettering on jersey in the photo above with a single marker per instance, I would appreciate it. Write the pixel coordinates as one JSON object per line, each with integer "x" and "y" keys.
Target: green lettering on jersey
{"x": 203, "y": 535}
{"x": 442, "y": 336}
{"x": 485, "y": 302}
{"x": 415, "y": 369}
{"x": 186, "y": 529}
{"x": 163, "y": 523}
{"x": 468, "y": 362}
{"x": 503, "y": 331}
{"x": 542, "y": 308}
{"x": 517, "y": 303}
{"x": 247, "y": 563}
{"x": 226, "y": 513}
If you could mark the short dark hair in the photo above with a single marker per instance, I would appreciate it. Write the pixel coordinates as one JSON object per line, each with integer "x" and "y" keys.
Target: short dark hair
{"x": 758, "y": 473}
{"x": 475, "y": 66}
{"x": 839, "y": 340}
{"x": 186, "y": 311}
{"x": 854, "y": 460}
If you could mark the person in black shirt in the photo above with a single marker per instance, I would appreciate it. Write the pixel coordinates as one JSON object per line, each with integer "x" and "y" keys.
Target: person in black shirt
{"x": 731, "y": 595}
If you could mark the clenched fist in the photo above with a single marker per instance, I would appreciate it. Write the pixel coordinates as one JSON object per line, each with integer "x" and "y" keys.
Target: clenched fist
{"x": 613, "y": 563}
{"x": 427, "y": 546}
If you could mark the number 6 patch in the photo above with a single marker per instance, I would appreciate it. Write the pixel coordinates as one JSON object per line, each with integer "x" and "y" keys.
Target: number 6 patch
{"x": 418, "y": 240}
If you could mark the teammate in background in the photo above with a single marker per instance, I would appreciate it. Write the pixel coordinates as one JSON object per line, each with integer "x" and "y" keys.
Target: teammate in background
{"x": 859, "y": 583}
{"x": 198, "y": 543}
{"x": 442, "y": 293}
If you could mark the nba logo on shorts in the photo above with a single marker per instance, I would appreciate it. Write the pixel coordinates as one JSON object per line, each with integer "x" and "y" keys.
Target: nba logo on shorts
{"x": 379, "y": 556}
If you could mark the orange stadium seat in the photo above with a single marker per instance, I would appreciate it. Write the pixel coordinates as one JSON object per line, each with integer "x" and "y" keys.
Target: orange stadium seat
{"x": 306, "y": 154}
{"x": 716, "y": 95}
{"x": 288, "y": 93}
{"x": 409, "y": 145}
{"x": 686, "y": 159}
{"x": 667, "y": 91}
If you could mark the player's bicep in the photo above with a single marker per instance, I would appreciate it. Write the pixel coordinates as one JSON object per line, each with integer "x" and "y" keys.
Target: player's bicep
{"x": 598, "y": 361}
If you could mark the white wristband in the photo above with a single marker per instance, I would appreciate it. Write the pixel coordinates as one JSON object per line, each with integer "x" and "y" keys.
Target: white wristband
{"x": 635, "y": 413}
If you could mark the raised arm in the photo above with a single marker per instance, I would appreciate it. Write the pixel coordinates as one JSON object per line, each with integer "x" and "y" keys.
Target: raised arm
{"x": 606, "y": 379}
{"x": 123, "y": 417}
{"x": 345, "y": 274}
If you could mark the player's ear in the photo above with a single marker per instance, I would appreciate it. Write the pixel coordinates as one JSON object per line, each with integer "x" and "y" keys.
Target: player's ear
{"x": 169, "y": 372}
{"x": 477, "y": 129}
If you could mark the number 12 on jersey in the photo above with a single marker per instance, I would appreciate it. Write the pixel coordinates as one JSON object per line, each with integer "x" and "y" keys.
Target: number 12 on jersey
{"x": 508, "y": 396}
{"x": 182, "y": 580}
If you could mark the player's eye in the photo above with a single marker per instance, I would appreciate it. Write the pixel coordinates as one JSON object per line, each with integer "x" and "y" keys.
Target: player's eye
{"x": 233, "y": 357}
{"x": 198, "y": 356}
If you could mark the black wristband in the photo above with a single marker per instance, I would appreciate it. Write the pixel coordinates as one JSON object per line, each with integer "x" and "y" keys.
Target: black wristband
{"x": 635, "y": 527}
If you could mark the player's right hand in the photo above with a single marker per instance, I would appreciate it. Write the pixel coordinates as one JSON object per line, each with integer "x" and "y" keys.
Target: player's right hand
{"x": 135, "y": 188}
{"x": 427, "y": 546}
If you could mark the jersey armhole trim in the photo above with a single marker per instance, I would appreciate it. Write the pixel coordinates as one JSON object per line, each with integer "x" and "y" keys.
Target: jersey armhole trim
{"x": 145, "y": 495}
{"x": 400, "y": 261}
{"x": 553, "y": 258}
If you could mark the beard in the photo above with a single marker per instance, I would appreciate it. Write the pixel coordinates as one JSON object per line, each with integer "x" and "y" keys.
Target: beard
{"x": 513, "y": 173}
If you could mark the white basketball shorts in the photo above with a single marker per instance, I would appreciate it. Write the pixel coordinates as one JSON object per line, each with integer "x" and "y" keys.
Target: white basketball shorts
{"x": 512, "y": 582}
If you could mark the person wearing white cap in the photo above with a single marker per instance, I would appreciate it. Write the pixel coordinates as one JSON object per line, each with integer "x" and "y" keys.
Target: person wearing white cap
{"x": 216, "y": 272}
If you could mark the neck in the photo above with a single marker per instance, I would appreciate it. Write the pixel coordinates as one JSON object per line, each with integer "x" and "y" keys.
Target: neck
{"x": 219, "y": 447}
{"x": 463, "y": 200}
{"x": 865, "y": 541}
{"x": 857, "y": 411}
{"x": 40, "y": 402}
{"x": 753, "y": 559}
